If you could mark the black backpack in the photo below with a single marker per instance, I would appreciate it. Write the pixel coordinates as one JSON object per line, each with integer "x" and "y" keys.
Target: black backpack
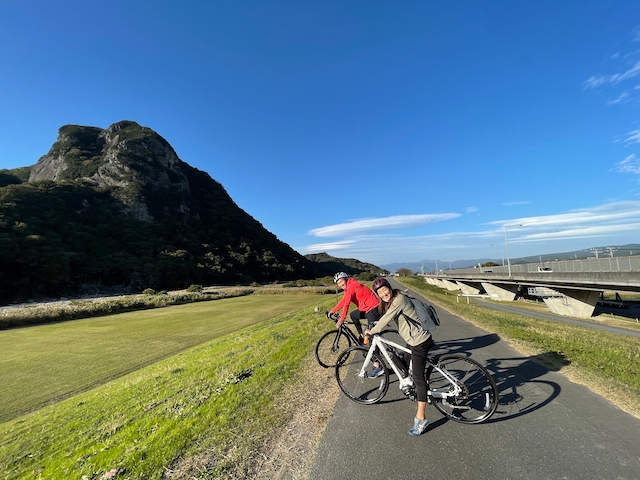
{"x": 427, "y": 315}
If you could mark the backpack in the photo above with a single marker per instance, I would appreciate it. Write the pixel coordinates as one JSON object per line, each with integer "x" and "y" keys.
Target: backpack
{"x": 427, "y": 315}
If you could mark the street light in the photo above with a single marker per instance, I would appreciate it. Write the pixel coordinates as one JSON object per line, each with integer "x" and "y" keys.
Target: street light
{"x": 501, "y": 251}
{"x": 506, "y": 244}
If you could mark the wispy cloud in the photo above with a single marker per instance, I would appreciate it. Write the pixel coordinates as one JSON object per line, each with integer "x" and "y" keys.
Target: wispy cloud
{"x": 578, "y": 232}
{"x": 608, "y": 213}
{"x": 378, "y": 224}
{"x": 511, "y": 204}
{"x": 622, "y": 98}
{"x": 606, "y": 221}
{"x": 633, "y": 136}
{"x": 636, "y": 34}
{"x": 631, "y": 164}
{"x": 472, "y": 210}
{"x": 329, "y": 246}
{"x": 599, "y": 80}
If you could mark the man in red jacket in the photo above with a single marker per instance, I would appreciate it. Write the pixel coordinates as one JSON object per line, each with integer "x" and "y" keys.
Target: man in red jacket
{"x": 362, "y": 296}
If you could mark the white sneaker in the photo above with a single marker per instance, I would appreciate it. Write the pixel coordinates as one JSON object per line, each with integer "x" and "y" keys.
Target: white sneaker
{"x": 419, "y": 427}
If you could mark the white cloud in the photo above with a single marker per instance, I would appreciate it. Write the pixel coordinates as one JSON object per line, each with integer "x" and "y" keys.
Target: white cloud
{"x": 633, "y": 136}
{"x": 327, "y": 247}
{"x": 636, "y": 34}
{"x": 373, "y": 224}
{"x": 472, "y": 209}
{"x": 603, "y": 214}
{"x": 511, "y": 204}
{"x": 580, "y": 232}
{"x": 598, "y": 80}
{"x": 612, "y": 220}
{"x": 631, "y": 164}
{"x": 622, "y": 98}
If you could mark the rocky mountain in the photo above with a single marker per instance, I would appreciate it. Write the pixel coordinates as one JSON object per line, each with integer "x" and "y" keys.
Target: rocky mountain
{"x": 116, "y": 209}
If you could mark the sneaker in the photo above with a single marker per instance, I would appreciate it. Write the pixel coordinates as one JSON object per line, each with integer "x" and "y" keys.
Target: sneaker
{"x": 419, "y": 426}
{"x": 375, "y": 372}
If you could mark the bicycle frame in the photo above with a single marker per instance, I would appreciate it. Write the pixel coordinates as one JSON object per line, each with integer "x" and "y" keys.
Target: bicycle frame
{"x": 344, "y": 328}
{"x": 378, "y": 343}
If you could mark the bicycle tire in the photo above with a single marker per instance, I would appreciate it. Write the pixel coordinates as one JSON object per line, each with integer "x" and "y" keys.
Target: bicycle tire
{"x": 364, "y": 390}
{"x": 330, "y": 346}
{"x": 479, "y": 398}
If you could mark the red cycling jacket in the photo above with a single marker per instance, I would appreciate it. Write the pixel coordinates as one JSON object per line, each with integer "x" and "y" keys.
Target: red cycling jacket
{"x": 361, "y": 295}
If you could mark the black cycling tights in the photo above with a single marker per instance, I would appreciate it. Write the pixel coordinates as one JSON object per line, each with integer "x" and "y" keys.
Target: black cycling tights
{"x": 419, "y": 356}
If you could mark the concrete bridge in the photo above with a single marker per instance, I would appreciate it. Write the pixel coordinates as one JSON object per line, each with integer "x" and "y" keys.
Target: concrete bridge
{"x": 569, "y": 288}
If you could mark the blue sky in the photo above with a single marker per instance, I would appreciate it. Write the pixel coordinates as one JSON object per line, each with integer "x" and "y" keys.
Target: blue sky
{"x": 384, "y": 131}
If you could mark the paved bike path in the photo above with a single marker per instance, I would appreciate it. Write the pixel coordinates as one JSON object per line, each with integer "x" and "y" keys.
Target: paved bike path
{"x": 545, "y": 427}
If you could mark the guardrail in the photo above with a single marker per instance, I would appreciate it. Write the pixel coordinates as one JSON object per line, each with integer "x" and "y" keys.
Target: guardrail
{"x": 589, "y": 265}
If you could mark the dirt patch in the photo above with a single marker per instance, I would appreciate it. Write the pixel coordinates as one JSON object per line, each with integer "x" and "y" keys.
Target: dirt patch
{"x": 289, "y": 453}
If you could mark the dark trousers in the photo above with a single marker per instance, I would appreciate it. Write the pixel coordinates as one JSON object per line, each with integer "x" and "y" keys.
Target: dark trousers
{"x": 419, "y": 357}
{"x": 372, "y": 317}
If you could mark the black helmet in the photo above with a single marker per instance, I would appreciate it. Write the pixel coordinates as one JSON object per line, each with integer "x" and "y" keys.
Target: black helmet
{"x": 380, "y": 282}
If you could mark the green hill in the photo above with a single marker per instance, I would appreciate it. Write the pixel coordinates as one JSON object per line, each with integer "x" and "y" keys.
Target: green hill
{"x": 351, "y": 266}
{"x": 116, "y": 210}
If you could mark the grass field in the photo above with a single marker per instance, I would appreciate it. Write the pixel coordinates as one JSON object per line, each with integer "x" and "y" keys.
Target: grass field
{"x": 42, "y": 364}
{"x": 222, "y": 396}
{"x": 144, "y": 392}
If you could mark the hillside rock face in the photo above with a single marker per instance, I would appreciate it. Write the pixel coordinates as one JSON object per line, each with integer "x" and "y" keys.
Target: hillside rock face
{"x": 132, "y": 158}
{"x": 117, "y": 208}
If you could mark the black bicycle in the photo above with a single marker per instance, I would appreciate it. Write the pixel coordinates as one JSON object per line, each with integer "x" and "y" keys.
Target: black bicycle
{"x": 334, "y": 342}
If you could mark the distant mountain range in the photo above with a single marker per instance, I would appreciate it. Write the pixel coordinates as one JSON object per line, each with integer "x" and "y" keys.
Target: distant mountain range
{"x": 430, "y": 265}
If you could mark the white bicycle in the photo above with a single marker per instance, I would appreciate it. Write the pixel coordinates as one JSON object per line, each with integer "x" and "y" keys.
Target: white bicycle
{"x": 460, "y": 388}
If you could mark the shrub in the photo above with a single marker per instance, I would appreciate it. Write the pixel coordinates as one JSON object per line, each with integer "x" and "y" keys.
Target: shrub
{"x": 148, "y": 291}
{"x": 366, "y": 277}
{"x": 194, "y": 288}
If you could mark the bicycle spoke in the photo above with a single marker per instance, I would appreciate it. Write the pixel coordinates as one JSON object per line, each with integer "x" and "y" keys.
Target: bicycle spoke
{"x": 355, "y": 382}
{"x": 477, "y": 395}
{"x": 330, "y": 346}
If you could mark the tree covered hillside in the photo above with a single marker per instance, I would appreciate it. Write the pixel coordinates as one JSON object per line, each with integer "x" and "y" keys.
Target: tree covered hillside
{"x": 117, "y": 209}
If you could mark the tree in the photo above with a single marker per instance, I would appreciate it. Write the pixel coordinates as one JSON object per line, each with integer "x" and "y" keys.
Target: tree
{"x": 404, "y": 272}
{"x": 490, "y": 264}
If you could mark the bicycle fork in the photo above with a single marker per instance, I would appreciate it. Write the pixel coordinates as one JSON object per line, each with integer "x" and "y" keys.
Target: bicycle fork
{"x": 451, "y": 390}
{"x": 405, "y": 383}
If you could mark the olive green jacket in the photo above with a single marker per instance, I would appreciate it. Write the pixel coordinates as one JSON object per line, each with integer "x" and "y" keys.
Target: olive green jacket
{"x": 411, "y": 332}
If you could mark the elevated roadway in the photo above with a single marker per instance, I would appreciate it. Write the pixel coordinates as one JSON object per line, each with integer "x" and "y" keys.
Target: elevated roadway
{"x": 570, "y": 288}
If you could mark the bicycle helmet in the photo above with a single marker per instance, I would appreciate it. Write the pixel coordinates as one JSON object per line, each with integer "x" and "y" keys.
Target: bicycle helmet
{"x": 339, "y": 275}
{"x": 380, "y": 282}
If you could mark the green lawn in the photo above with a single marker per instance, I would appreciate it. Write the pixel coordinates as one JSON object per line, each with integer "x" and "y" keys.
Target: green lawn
{"x": 42, "y": 364}
{"x": 218, "y": 400}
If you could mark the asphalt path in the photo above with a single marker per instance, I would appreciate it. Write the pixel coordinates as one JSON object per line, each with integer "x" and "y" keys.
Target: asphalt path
{"x": 546, "y": 427}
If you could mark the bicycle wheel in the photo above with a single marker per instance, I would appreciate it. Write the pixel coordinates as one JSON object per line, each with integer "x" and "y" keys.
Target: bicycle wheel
{"x": 330, "y": 345}
{"x": 478, "y": 399}
{"x": 361, "y": 389}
